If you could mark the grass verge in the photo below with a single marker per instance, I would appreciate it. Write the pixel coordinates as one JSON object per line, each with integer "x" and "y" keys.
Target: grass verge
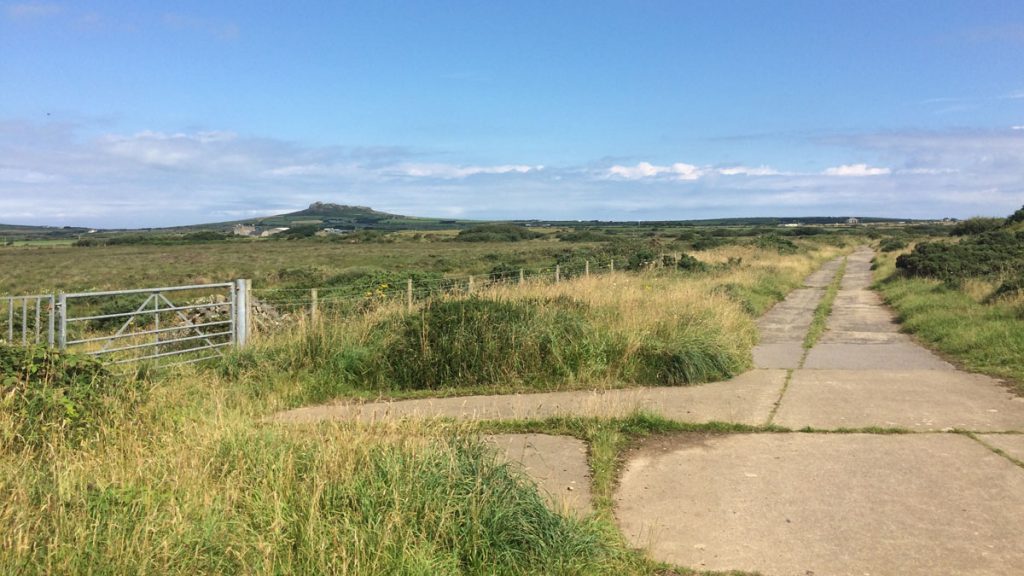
{"x": 979, "y": 335}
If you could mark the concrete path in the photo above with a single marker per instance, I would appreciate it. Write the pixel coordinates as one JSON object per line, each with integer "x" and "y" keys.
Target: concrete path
{"x": 747, "y": 399}
{"x": 801, "y": 504}
{"x": 864, "y": 372}
{"x": 784, "y": 327}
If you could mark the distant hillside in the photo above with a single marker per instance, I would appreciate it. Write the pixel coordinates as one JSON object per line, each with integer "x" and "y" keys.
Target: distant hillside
{"x": 714, "y": 222}
{"x": 340, "y": 216}
{"x": 349, "y": 218}
{"x": 10, "y": 232}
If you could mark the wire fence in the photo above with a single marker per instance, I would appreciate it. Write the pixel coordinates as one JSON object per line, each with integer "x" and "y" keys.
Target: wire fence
{"x": 128, "y": 326}
{"x": 272, "y": 306}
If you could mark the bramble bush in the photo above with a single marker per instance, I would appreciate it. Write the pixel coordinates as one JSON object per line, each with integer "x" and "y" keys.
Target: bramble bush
{"x": 46, "y": 394}
{"x": 892, "y": 245}
{"x": 989, "y": 255}
{"x": 976, "y": 225}
{"x": 986, "y": 256}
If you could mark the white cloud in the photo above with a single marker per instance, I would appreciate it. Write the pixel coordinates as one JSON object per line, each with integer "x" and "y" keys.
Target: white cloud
{"x": 686, "y": 171}
{"x": 856, "y": 170}
{"x": 924, "y": 171}
{"x": 449, "y": 171}
{"x": 53, "y": 173}
{"x": 641, "y": 170}
{"x": 748, "y": 171}
{"x": 157, "y": 148}
{"x": 677, "y": 171}
{"x": 1020, "y": 127}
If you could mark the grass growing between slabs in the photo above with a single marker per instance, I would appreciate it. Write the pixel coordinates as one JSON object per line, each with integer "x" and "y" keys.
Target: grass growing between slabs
{"x": 824, "y": 309}
{"x": 608, "y": 440}
{"x": 965, "y": 323}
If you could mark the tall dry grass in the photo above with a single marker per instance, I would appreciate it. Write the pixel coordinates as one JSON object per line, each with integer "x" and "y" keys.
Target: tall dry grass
{"x": 660, "y": 327}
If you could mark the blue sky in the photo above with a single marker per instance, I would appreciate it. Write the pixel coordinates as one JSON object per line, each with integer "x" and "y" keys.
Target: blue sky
{"x": 163, "y": 113}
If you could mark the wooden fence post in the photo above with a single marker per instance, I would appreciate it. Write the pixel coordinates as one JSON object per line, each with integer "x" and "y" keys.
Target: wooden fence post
{"x": 408, "y": 295}
{"x": 586, "y": 268}
{"x": 612, "y": 265}
{"x": 558, "y": 273}
{"x": 470, "y": 284}
{"x": 522, "y": 277}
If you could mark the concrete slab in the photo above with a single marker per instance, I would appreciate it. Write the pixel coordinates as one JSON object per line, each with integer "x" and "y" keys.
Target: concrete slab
{"x": 859, "y": 311}
{"x": 789, "y": 320}
{"x": 746, "y": 399}
{"x": 836, "y": 504}
{"x": 894, "y": 354}
{"x": 823, "y": 276}
{"x": 778, "y": 355}
{"x": 858, "y": 274}
{"x": 558, "y": 464}
{"x": 1012, "y": 444}
{"x": 916, "y": 400}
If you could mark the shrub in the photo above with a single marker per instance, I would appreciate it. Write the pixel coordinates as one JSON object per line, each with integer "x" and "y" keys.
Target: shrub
{"x": 708, "y": 242}
{"x": 497, "y": 233}
{"x": 584, "y": 235}
{"x": 1017, "y": 216}
{"x": 688, "y": 263}
{"x": 362, "y": 237}
{"x": 777, "y": 243}
{"x": 504, "y": 273}
{"x": 977, "y": 225}
{"x": 302, "y": 277}
{"x": 892, "y": 245}
{"x": 640, "y": 259}
{"x": 987, "y": 255}
{"x": 49, "y": 394}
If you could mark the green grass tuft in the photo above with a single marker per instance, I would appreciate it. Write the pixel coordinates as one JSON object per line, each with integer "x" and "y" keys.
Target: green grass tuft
{"x": 487, "y": 342}
{"x": 824, "y": 309}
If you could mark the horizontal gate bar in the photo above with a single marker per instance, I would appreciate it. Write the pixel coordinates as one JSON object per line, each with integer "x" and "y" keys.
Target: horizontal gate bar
{"x": 151, "y": 312}
{"x": 174, "y": 353}
{"x": 148, "y": 290}
{"x": 162, "y": 343}
{"x": 148, "y": 332}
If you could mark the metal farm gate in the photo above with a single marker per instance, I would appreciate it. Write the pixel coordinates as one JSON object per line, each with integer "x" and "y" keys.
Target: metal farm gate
{"x": 27, "y": 320}
{"x": 167, "y": 325}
